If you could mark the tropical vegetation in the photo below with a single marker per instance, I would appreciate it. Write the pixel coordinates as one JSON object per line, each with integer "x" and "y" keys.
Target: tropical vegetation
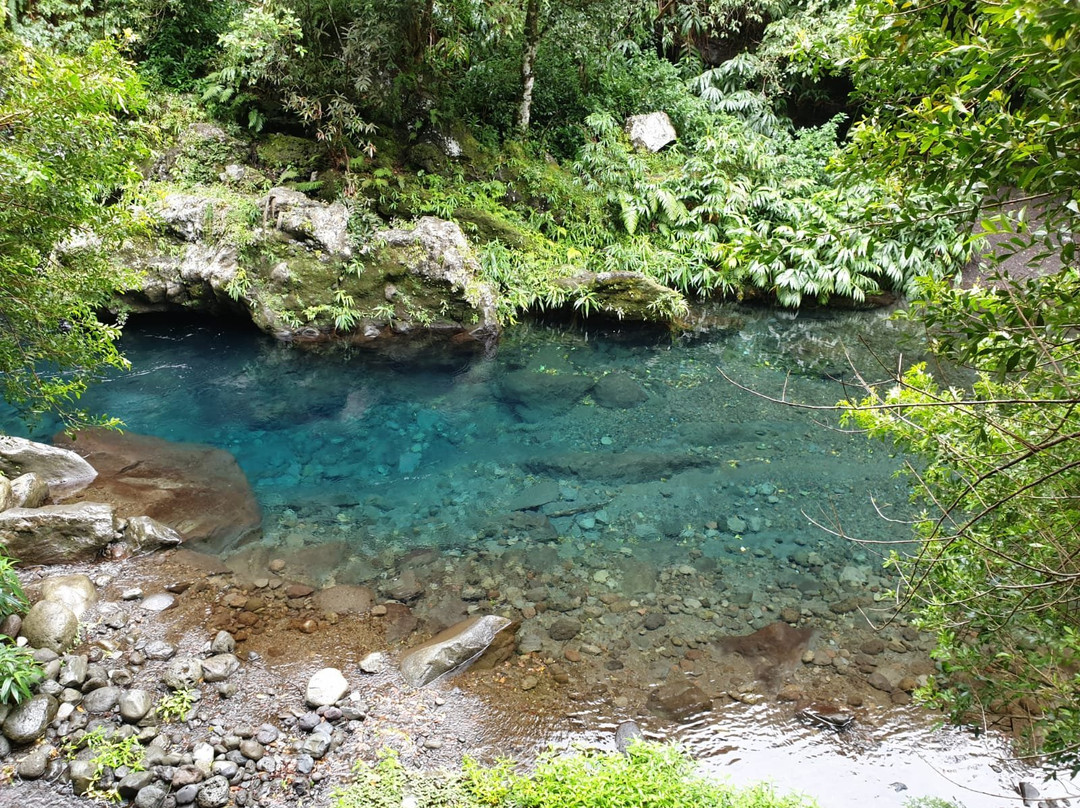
{"x": 660, "y": 775}
{"x": 827, "y": 151}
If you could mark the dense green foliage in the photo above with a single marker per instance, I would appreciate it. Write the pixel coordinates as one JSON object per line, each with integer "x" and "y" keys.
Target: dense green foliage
{"x": 12, "y": 598}
{"x": 986, "y": 97}
{"x": 19, "y": 672}
{"x": 649, "y": 774}
{"x": 66, "y": 146}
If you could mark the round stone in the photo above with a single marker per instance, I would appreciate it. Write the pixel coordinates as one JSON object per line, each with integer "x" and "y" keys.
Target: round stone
{"x": 50, "y": 625}
{"x": 213, "y": 793}
{"x": 325, "y": 687}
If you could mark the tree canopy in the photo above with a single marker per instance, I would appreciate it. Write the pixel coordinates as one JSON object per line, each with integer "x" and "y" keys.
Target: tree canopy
{"x": 68, "y": 143}
{"x": 984, "y": 98}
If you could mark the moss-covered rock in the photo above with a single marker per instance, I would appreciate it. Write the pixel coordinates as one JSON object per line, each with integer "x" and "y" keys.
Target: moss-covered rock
{"x": 628, "y": 296}
{"x": 298, "y": 275}
{"x": 278, "y": 153}
{"x": 200, "y": 155}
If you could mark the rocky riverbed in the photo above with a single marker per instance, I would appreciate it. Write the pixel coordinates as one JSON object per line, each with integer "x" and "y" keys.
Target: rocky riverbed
{"x": 246, "y": 641}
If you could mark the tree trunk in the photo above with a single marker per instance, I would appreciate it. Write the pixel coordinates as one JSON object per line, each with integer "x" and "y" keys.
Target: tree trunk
{"x": 528, "y": 59}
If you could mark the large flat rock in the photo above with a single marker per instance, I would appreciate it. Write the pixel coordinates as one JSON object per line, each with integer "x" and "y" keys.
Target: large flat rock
{"x": 197, "y": 490}
{"x": 57, "y": 534}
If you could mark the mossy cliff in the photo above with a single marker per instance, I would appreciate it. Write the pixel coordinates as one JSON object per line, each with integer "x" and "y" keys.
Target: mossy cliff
{"x": 239, "y": 228}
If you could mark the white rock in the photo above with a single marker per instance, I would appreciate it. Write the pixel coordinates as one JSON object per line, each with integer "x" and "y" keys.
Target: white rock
{"x": 7, "y": 496}
{"x": 77, "y": 592}
{"x": 30, "y": 491}
{"x": 57, "y": 534}
{"x": 325, "y": 687}
{"x": 308, "y": 219}
{"x": 373, "y": 662}
{"x": 650, "y": 132}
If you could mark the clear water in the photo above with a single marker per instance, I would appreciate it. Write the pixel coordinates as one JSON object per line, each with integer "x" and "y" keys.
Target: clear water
{"x": 701, "y": 499}
{"x": 428, "y": 454}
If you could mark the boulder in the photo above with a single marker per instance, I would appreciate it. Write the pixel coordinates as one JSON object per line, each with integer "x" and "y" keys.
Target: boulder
{"x": 64, "y": 471}
{"x": 325, "y": 226}
{"x": 300, "y": 259}
{"x": 184, "y": 215}
{"x": 220, "y": 667}
{"x": 543, "y": 392}
{"x": 135, "y": 705}
{"x": 325, "y": 687}
{"x": 442, "y": 254}
{"x": 199, "y": 155}
{"x": 144, "y": 533}
{"x": 197, "y": 490}
{"x": 77, "y": 592}
{"x": 182, "y": 673}
{"x": 27, "y": 722}
{"x": 50, "y": 625}
{"x": 564, "y": 629}
{"x": 30, "y": 490}
{"x": 7, "y": 496}
{"x": 451, "y": 650}
{"x": 627, "y": 296}
{"x": 650, "y": 132}
{"x": 57, "y": 534}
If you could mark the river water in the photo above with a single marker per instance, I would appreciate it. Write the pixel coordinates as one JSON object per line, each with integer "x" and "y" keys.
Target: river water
{"x": 604, "y": 477}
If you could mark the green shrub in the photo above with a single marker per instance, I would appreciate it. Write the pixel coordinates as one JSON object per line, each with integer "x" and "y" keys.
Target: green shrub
{"x": 108, "y": 752}
{"x": 12, "y": 598}
{"x": 19, "y": 671}
{"x": 176, "y": 705}
{"x": 656, "y": 775}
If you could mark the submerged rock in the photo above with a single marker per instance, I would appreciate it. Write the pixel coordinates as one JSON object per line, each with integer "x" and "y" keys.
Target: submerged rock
{"x": 345, "y": 599}
{"x": 64, "y": 471}
{"x": 631, "y": 467}
{"x": 618, "y": 391}
{"x": 198, "y": 491}
{"x": 451, "y": 650}
{"x": 678, "y": 699}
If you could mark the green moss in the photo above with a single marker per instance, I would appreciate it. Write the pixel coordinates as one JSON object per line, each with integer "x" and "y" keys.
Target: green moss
{"x": 202, "y": 153}
{"x": 429, "y": 157}
{"x": 484, "y": 226}
{"x": 279, "y": 153}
